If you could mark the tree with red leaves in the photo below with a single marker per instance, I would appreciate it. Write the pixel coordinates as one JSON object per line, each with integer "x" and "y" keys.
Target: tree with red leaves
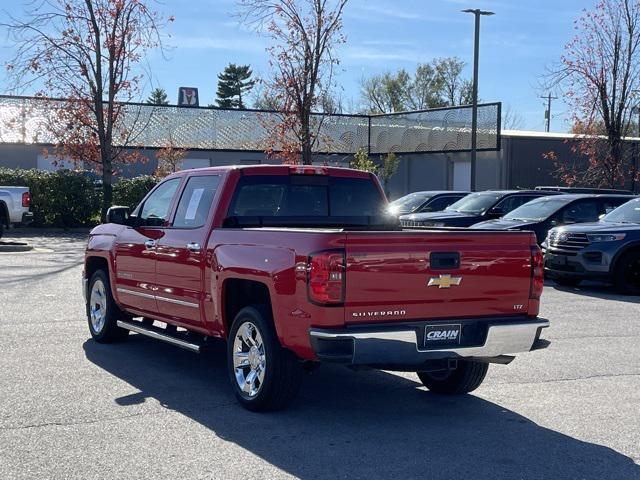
{"x": 600, "y": 75}
{"x": 305, "y": 35}
{"x": 86, "y": 52}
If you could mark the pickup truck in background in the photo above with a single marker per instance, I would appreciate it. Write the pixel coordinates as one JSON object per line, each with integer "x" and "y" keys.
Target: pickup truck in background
{"x": 293, "y": 266}
{"x": 14, "y": 207}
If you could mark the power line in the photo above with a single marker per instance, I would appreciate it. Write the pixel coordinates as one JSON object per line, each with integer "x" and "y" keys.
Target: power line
{"x": 547, "y": 112}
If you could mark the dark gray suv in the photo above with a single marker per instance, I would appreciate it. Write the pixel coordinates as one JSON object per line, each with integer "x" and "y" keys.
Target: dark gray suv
{"x": 605, "y": 250}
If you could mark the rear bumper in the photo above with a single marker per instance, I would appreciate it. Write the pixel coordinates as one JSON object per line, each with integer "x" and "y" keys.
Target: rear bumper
{"x": 27, "y": 218}
{"x": 402, "y": 346}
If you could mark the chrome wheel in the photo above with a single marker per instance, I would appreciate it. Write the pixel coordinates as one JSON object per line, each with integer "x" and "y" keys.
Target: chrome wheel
{"x": 249, "y": 359}
{"x": 98, "y": 306}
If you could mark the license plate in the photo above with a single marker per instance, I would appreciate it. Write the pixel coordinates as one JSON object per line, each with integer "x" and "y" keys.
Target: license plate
{"x": 444, "y": 334}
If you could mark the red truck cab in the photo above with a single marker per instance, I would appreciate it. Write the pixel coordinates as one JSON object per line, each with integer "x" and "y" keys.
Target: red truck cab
{"x": 300, "y": 265}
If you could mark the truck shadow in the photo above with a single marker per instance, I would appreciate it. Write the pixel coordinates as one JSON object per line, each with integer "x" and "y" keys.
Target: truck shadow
{"x": 358, "y": 424}
{"x": 600, "y": 290}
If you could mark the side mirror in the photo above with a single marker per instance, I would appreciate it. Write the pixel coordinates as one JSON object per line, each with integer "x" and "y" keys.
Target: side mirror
{"x": 497, "y": 211}
{"x": 119, "y": 215}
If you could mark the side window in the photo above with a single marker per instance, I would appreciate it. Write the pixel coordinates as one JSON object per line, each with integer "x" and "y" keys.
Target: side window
{"x": 512, "y": 202}
{"x": 583, "y": 211}
{"x": 195, "y": 202}
{"x": 609, "y": 204}
{"x": 439, "y": 203}
{"x": 155, "y": 209}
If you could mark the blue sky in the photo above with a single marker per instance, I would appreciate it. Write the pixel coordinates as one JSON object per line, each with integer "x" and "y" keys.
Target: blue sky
{"x": 516, "y": 45}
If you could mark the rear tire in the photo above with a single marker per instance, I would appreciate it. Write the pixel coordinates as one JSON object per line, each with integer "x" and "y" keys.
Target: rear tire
{"x": 264, "y": 376}
{"x": 465, "y": 378}
{"x": 102, "y": 311}
{"x": 567, "y": 281}
{"x": 627, "y": 273}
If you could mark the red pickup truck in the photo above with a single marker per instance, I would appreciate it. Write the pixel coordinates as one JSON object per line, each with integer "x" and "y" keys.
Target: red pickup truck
{"x": 293, "y": 266}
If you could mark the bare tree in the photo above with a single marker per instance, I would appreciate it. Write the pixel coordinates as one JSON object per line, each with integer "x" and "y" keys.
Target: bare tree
{"x": 170, "y": 157}
{"x": 306, "y": 33}
{"x": 599, "y": 73}
{"x": 385, "y": 93}
{"x": 86, "y": 51}
{"x": 456, "y": 90}
{"x": 511, "y": 119}
{"x": 435, "y": 84}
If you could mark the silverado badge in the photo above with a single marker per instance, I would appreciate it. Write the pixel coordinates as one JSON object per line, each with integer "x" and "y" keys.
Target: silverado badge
{"x": 444, "y": 281}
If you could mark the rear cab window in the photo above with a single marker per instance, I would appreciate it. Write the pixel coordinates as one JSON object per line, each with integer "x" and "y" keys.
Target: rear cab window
{"x": 305, "y": 197}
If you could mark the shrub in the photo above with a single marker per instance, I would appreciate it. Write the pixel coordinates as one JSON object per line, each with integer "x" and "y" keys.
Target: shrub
{"x": 130, "y": 191}
{"x": 68, "y": 198}
{"x": 63, "y": 198}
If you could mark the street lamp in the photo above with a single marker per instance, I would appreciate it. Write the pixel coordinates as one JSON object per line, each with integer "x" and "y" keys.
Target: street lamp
{"x": 474, "y": 107}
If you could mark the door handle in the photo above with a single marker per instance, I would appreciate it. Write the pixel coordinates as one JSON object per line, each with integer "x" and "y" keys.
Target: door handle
{"x": 193, "y": 247}
{"x": 149, "y": 244}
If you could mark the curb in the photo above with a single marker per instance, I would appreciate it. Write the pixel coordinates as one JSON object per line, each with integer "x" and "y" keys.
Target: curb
{"x": 19, "y": 231}
{"x": 14, "y": 247}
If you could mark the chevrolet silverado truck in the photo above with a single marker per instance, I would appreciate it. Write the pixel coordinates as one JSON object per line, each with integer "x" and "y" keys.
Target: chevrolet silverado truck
{"x": 294, "y": 266}
{"x": 14, "y": 207}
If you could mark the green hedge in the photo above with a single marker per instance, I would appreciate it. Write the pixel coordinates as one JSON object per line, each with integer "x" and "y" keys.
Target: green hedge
{"x": 130, "y": 191}
{"x": 67, "y": 198}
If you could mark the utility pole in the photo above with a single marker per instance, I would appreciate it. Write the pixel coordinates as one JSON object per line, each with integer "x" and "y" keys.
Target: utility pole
{"x": 547, "y": 113}
{"x": 474, "y": 107}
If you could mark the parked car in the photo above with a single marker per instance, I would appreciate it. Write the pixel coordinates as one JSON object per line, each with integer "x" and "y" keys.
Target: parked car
{"x": 474, "y": 208}
{"x": 544, "y": 213}
{"x": 613, "y": 191}
{"x": 293, "y": 266}
{"x": 604, "y": 250}
{"x": 14, "y": 207}
{"x": 429, "y": 201}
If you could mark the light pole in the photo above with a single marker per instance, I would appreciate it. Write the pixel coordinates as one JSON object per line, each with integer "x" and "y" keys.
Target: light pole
{"x": 474, "y": 107}
{"x": 636, "y": 109}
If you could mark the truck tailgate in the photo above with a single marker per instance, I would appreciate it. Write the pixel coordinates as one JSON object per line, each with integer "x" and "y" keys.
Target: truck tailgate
{"x": 411, "y": 275}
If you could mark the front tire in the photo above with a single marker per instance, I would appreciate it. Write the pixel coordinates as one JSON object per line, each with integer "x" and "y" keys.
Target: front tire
{"x": 102, "y": 311}
{"x": 264, "y": 376}
{"x": 465, "y": 378}
{"x": 627, "y": 274}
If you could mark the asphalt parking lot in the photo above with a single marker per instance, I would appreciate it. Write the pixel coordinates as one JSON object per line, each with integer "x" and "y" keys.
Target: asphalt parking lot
{"x": 71, "y": 408}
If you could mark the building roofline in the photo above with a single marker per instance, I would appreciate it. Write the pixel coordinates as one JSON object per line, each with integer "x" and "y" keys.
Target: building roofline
{"x": 565, "y": 135}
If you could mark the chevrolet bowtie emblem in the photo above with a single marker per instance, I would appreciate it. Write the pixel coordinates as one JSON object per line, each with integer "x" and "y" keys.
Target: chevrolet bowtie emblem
{"x": 444, "y": 281}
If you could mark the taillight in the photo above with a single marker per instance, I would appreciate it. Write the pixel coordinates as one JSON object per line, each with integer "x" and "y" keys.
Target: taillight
{"x": 26, "y": 199}
{"x": 326, "y": 277}
{"x": 537, "y": 273}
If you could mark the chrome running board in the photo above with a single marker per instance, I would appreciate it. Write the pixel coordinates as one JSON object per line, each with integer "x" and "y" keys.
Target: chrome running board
{"x": 158, "y": 334}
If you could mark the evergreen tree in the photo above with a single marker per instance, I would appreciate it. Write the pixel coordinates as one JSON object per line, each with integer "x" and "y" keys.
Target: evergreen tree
{"x": 234, "y": 83}
{"x": 158, "y": 97}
